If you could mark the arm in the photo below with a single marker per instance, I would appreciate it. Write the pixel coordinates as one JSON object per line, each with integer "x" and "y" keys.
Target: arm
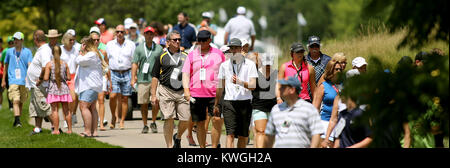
{"x": 186, "y": 80}
{"x": 407, "y": 136}
{"x": 67, "y": 72}
{"x": 253, "y": 42}
{"x": 134, "y": 68}
{"x": 312, "y": 82}
{"x": 153, "y": 90}
{"x": 225, "y": 39}
{"x": 47, "y": 71}
{"x": 278, "y": 86}
{"x": 86, "y": 60}
{"x": 332, "y": 123}
{"x": 363, "y": 144}
{"x": 315, "y": 141}
{"x": 5, "y": 70}
{"x": 268, "y": 141}
{"x": 318, "y": 95}
{"x": 219, "y": 92}
{"x": 248, "y": 85}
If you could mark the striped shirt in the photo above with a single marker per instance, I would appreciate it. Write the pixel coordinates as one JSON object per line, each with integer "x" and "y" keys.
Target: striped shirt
{"x": 293, "y": 127}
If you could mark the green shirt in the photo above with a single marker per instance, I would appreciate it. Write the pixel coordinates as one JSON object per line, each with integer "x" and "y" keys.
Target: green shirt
{"x": 102, "y": 46}
{"x": 140, "y": 58}
{"x": 3, "y": 55}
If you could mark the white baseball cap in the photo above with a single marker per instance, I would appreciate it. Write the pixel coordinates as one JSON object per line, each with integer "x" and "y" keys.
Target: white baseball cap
{"x": 241, "y": 10}
{"x": 352, "y": 72}
{"x": 127, "y": 23}
{"x": 244, "y": 42}
{"x": 207, "y": 15}
{"x": 94, "y": 29}
{"x": 359, "y": 62}
{"x": 71, "y": 31}
{"x": 133, "y": 25}
{"x": 224, "y": 48}
{"x": 18, "y": 36}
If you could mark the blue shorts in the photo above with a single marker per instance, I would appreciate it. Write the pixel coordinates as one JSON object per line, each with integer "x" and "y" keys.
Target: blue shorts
{"x": 121, "y": 82}
{"x": 88, "y": 96}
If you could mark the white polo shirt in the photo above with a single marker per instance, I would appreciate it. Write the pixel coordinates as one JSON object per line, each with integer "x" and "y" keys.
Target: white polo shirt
{"x": 235, "y": 91}
{"x": 120, "y": 56}
{"x": 240, "y": 27}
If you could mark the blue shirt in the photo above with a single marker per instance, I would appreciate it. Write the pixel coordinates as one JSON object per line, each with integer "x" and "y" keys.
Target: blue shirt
{"x": 329, "y": 93}
{"x": 18, "y": 60}
{"x": 353, "y": 132}
{"x": 187, "y": 35}
{"x": 320, "y": 66}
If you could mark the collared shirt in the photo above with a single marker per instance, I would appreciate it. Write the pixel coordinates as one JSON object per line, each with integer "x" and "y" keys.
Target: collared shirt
{"x": 211, "y": 63}
{"x": 302, "y": 74}
{"x": 240, "y": 27}
{"x": 293, "y": 127}
{"x": 320, "y": 66}
{"x": 120, "y": 56}
{"x": 187, "y": 33}
{"x": 18, "y": 60}
{"x": 143, "y": 55}
{"x": 164, "y": 69}
{"x": 138, "y": 40}
{"x": 42, "y": 56}
{"x": 246, "y": 71}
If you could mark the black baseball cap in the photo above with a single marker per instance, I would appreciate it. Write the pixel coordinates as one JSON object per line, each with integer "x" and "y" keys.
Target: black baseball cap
{"x": 204, "y": 34}
{"x": 296, "y": 47}
{"x": 313, "y": 40}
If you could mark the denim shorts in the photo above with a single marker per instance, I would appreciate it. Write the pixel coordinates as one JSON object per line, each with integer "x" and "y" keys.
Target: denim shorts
{"x": 121, "y": 82}
{"x": 88, "y": 96}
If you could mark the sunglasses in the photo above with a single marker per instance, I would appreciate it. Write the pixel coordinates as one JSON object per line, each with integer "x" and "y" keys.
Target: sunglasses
{"x": 202, "y": 40}
{"x": 120, "y": 32}
{"x": 338, "y": 69}
{"x": 177, "y": 39}
{"x": 96, "y": 39}
{"x": 314, "y": 46}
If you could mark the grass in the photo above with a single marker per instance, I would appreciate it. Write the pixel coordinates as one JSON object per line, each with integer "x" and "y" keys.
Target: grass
{"x": 19, "y": 137}
{"x": 377, "y": 43}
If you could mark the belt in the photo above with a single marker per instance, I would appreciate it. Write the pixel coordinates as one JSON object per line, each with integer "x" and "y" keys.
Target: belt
{"x": 121, "y": 71}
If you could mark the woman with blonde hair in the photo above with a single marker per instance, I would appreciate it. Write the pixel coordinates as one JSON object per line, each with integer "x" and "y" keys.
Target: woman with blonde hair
{"x": 57, "y": 72}
{"x": 68, "y": 54}
{"x": 88, "y": 83}
{"x": 325, "y": 94}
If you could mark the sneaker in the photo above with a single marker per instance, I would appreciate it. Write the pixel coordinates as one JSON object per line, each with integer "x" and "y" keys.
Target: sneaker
{"x": 35, "y": 131}
{"x": 177, "y": 142}
{"x": 19, "y": 125}
{"x": 191, "y": 141}
{"x": 145, "y": 130}
{"x": 105, "y": 123}
{"x": 154, "y": 128}
{"x": 218, "y": 145}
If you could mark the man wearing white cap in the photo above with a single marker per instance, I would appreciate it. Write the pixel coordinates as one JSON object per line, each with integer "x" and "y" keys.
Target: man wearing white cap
{"x": 17, "y": 61}
{"x": 133, "y": 35}
{"x": 360, "y": 64}
{"x": 240, "y": 27}
{"x": 207, "y": 25}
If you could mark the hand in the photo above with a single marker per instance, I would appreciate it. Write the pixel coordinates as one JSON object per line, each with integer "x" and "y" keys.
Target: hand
{"x": 110, "y": 86}
{"x": 279, "y": 101}
{"x": 325, "y": 144}
{"x": 235, "y": 80}
{"x": 3, "y": 84}
{"x": 182, "y": 48}
{"x": 154, "y": 100}
{"x": 38, "y": 82}
{"x": 187, "y": 97}
{"x": 251, "y": 48}
{"x": 133, "y": 81}
{"x": 216, "y": 110}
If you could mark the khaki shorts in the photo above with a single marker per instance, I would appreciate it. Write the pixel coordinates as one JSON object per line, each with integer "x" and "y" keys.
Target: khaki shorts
{"x": 18, "y": 93}
{"x": 172, "y": 104}
{"x": 38, "y": 104}
{"x": 144, "y": 93}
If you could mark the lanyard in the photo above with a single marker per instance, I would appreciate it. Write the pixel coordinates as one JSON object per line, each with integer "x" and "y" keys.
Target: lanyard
{"x": 171, "y": 57}
{"x": 17, "y": 56}
{"x": 334, "y": 87}
{"x": 145, "y": 49}
{"x": 204, "y": 58}
{"x": 238, "y": 67}
{"x": 299, "y": 71}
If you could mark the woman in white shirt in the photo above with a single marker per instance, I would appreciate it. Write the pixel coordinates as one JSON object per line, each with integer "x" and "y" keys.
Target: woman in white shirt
{"x": 88, "y": 83}
{"x": 68, "y": 55}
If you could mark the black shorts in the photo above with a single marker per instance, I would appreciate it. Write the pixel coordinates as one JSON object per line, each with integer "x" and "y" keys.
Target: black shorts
{"x": 237, "y": 116}
{"x": 198, "y": 109}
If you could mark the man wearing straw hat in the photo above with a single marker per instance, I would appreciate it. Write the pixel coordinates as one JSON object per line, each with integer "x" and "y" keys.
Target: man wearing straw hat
{"x": 52, "y": 37}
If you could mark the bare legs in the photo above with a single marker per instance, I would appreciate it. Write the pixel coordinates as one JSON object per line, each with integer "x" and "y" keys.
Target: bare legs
{"x": 90, "y": 118}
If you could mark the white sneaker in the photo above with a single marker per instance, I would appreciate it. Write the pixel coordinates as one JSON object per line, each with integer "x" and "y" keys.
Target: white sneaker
{"x": 65, "y": 124}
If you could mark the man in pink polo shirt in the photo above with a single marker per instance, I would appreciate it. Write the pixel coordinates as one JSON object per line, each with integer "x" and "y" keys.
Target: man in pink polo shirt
{"x": 199, "y": 82}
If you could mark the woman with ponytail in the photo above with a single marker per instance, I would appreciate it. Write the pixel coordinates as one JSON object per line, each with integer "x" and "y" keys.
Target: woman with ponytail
{"x": 57, "y": 72}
